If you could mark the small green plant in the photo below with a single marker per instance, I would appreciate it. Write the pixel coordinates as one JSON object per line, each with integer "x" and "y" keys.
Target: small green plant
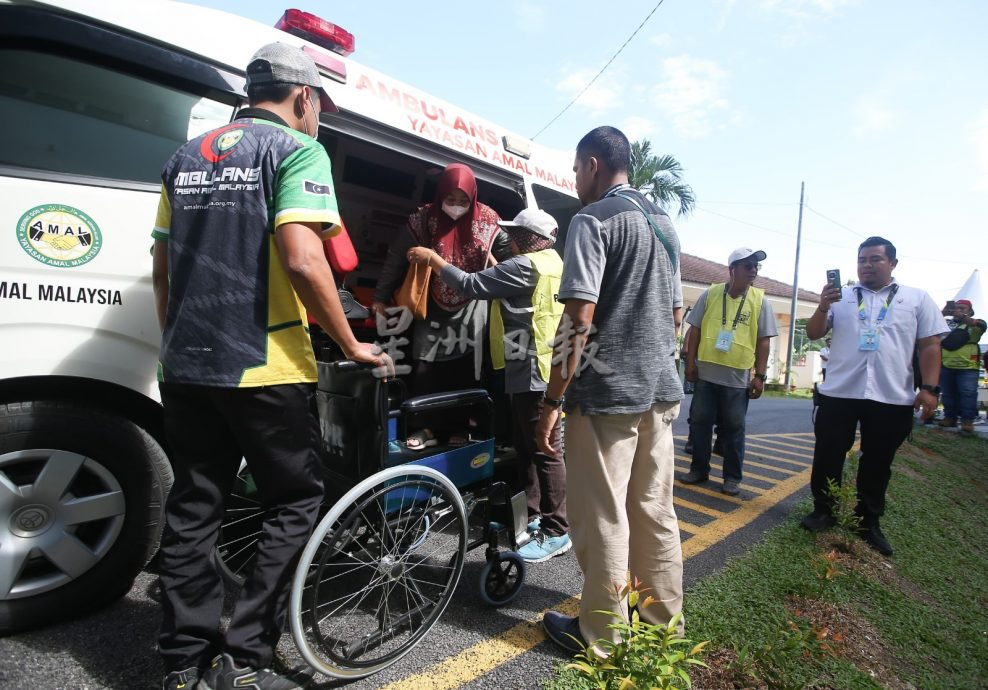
{"x": 774, "y": 662}
{"x": 845, "y": 497}
{"x": 647, "y": 656}
{"x": 828, "y": 568}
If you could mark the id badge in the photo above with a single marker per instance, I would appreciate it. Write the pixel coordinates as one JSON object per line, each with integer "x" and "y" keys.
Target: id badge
{"x": 868, "y": 340}
{"x": 724, "y": 341}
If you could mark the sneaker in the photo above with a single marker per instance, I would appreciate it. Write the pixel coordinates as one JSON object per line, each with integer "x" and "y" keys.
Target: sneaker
{"x": 948, "y": 422}
{"x": 534, "y": 525}
{"x": 181, "y": 680}
{"x": 694, "y": 477}
{"x": 873, "y": 537}
{"x": 564, "y": 631}
{"x": 731, "y": 487}
{"x": 224, "y": 674}
{"x": 818, "y": 520}
{"x": 542, "y": 547}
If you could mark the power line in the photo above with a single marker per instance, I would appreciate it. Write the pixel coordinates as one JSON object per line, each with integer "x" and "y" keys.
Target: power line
{"x": 839, "y": 225}
{"x": 613, "y": 57}
{"x": 828, "y": 244}
{"x": 753, "y": 203}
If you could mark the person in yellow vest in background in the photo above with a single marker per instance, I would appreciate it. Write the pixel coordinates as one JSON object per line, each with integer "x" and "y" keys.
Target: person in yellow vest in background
{"x": 524, "y": 318}
{"x": 960, "y": 365}
{"x": 735, "y": 323}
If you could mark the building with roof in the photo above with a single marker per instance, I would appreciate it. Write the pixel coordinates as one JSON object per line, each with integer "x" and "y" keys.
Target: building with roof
{"x": 698, "y": 274}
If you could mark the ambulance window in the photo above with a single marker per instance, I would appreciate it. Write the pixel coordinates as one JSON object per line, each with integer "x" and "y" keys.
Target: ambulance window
{"x": 380, "y": 178}
{"x": 560, "y": 206}
{"x": 67, "y": 116}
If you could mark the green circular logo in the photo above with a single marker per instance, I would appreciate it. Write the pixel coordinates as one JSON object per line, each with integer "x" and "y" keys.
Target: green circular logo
{"x": 59, "y": 235}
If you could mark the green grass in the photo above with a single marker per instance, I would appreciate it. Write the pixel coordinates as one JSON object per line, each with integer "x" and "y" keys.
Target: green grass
{"x": 930, "y": 608}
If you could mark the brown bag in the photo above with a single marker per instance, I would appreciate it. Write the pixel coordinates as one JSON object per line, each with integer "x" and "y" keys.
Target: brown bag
{"x": 414, "y": 292}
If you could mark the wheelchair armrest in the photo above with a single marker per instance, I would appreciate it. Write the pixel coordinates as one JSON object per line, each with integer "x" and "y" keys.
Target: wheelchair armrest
{"x": 440, "y": 401}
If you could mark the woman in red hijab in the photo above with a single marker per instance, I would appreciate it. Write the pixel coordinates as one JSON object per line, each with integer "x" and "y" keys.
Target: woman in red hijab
{"x": 445, "y": 346}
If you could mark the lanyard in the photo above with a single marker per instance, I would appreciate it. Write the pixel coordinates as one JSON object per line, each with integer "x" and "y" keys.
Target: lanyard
{"x": 723, "y": 310}
{"x": 616, "y": 191}
{"x": 883, "y": 312}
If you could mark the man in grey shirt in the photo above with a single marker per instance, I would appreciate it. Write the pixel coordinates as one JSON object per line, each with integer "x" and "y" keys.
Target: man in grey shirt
{"x": 615, "y": 363}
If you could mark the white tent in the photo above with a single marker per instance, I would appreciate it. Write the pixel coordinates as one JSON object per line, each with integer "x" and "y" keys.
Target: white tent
{"x": 972, "y": 291}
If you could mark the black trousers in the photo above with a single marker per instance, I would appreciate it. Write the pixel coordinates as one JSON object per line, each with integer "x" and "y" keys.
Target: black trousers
{"x": 543, "y": 477}
{"x": 209, "y": 430}
{"x": 883, "y": 429}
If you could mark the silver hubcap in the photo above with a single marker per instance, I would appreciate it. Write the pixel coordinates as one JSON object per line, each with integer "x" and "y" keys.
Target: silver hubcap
{"x": 60, "y": 513}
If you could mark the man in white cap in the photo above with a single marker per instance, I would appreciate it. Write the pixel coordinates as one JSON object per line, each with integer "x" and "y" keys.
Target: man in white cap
{"x": 525, "y": 286}
{"x": 238, "y": 251}
{"x": 734, "y": 322}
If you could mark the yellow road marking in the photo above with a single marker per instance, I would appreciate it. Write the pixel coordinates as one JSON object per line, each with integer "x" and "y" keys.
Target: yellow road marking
{"x": 683, "y": 461}
{"x": 715, "y": 493}
{"x": 800, "y": 466}
{"x": 689, "y": 528}
{"x": 736, "y": 519}
{"x": 698, "y": 507}
{"x": 800, "y": 451}
{"x": 485, "y": 656}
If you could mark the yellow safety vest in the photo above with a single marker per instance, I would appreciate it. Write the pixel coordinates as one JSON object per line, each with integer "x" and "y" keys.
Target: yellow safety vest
{"x": 545, "y": 316}
{"x": 742, "y": 352}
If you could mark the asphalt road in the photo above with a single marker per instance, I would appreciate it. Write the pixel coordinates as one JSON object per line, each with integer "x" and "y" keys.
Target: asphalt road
{"x": 473, "y": 645}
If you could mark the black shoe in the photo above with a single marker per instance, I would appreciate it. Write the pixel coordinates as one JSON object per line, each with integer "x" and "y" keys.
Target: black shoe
{"x": 224, "y": 674}
{"x": 688, "y": 448}
{"x": 694, "y": 477}
{"x": 564, "y": 631}
{"x": 873, "y": 537}
{"x": 718, "y": 447}
{"x": 818, "y": 520}
{"x": 181, "y": 680}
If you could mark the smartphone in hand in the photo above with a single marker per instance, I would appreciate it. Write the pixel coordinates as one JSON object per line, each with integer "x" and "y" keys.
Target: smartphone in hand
{"x": 833, "y": 278}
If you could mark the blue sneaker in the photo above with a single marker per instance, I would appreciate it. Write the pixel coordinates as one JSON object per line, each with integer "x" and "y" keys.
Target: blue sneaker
{"x": 542, "y": 547}
{"x": 534, "y": 525}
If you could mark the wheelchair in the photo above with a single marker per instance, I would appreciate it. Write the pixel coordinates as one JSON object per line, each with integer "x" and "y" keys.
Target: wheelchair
{"x": 384, "y": 560}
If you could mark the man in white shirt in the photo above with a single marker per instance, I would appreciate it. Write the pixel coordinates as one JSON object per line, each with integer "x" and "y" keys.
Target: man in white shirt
{"x": 876, "y": 324}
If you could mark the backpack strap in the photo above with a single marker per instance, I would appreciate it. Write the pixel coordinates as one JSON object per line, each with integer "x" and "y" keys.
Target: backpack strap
{"x": 655, "y": 228}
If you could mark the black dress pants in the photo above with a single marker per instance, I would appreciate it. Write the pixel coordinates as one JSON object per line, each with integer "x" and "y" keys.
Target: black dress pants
{"x": 883, "y": 429}
{"x": 209, "y": 430}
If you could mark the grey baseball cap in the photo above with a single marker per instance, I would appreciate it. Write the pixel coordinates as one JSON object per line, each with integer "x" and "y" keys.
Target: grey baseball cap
{"x": 279, "y": 63}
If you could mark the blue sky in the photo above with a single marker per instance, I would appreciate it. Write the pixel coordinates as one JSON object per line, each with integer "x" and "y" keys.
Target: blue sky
{"x": 880, "y": 106}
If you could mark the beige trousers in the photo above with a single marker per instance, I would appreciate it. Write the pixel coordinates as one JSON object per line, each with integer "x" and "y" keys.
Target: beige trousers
{"x": 619, "y": 478}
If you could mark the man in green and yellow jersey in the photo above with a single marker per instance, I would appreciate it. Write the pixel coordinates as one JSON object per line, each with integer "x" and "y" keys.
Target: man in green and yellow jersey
{"x": 238, "y": 259}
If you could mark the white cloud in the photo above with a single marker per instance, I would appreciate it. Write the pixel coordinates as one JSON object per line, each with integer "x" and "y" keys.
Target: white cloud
{"x": 872, "y": 116}
{"x": 979, "y": 134}
{"x": 806, "y": 8}
{"x": 605, "y": 94}
{"x": 691, "y": 94}
{"x": 661, "y": 40}
{"x": 636, "y": 128}
{"x": 531, "y": 16}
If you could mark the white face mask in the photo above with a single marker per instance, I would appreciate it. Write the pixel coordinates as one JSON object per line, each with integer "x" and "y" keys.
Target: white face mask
{"x": 455, "y": 212}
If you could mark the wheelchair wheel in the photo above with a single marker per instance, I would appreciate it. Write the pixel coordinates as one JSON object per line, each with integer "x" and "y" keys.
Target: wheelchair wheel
{"x": 502, "y": 578}
{"x": 243, "y": 518}
{"x": 378, "y": 572}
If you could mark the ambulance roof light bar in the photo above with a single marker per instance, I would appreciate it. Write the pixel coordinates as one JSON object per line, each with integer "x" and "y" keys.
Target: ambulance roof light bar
{"x": 318, "y": 30}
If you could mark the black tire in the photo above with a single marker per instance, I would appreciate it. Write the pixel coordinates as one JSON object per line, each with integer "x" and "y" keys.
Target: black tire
{"x": 502, "y": 578}
{"x": 77, "y": 453}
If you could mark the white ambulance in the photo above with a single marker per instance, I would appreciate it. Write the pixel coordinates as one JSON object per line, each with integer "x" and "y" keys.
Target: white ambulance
{"x": 94, "y": 97}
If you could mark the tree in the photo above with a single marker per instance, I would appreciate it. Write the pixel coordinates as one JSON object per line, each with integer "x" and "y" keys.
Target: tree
{"x": 660, "y": 178}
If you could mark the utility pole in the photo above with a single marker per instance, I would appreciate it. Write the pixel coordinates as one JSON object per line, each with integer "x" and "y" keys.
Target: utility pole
{"x": 795, "y": 289}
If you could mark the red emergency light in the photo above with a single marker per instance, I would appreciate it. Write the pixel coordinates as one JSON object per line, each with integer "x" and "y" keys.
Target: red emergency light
{"x": 318, "y": 30}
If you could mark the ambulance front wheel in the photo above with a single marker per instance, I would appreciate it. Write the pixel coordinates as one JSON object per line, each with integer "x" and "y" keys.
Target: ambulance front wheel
{"x": 81, "y": 496}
